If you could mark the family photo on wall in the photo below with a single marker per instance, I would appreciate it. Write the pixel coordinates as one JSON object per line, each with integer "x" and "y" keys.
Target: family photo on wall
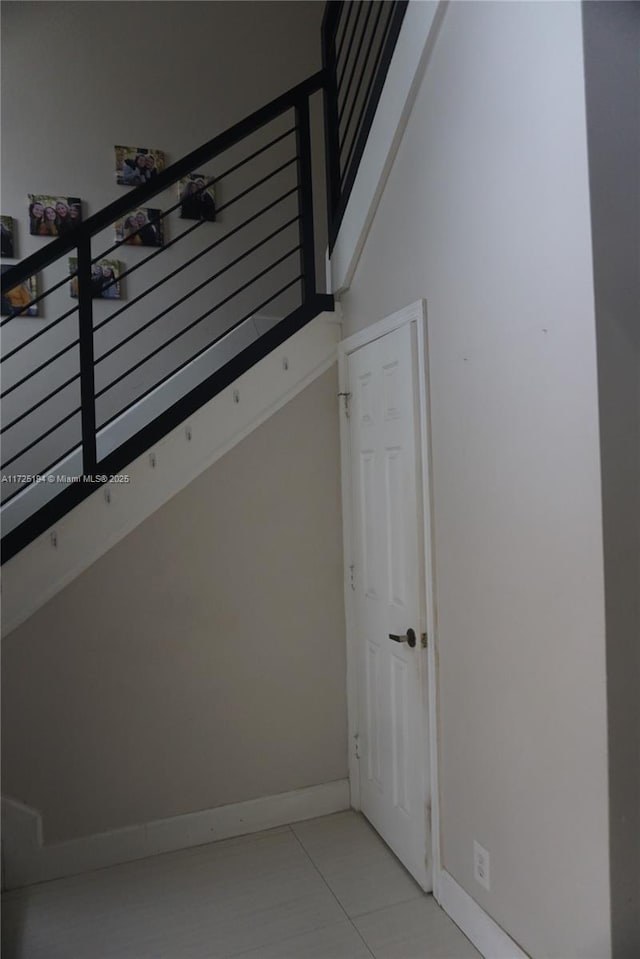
{"x": 142, "y": 227}
{"x": 53, "y": 216}
{"x": 105, "y": 279}
{"x": 15, "y": 301}
{"x": 197, "y": 197}
{"x": 137, "y": 165}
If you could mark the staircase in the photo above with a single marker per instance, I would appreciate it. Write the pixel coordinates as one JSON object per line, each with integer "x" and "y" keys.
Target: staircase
{"x": 88, "y": 398}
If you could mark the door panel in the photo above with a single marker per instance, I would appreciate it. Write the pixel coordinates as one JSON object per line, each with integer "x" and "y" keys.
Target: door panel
{"x": 387, "y": 558}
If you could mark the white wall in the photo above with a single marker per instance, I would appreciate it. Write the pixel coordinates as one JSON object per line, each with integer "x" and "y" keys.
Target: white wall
{"x": 486, "y": 215}
{"x": 199, "y": 662}
{"x": 79, "y": 78}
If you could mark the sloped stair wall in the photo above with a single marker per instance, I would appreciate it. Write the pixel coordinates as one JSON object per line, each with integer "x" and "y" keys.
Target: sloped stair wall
{"x": 54, "y": 559}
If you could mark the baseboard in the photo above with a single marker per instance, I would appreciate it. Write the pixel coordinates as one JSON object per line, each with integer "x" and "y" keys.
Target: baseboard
{"x": 27, "y": 860}
{"x": 486, "y": 935}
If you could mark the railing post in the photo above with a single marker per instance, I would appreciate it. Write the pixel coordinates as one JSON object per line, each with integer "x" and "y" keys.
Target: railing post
{"x": 305, "y": 191}
{"x": 331, "y": 124}
{"x": 87, "y": 383}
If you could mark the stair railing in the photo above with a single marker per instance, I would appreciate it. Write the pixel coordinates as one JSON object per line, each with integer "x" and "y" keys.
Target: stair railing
{"x": 358, "y": 40}
{"x": 95, "y": 387}
{"x": 264, "y": 228}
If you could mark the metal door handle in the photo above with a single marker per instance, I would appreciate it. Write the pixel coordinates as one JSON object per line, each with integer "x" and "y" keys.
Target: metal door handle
{"x": 409, "y": 639}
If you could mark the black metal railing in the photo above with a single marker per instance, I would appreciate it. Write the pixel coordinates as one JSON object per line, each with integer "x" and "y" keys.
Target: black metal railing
{"x": 210, "y": 302}
{"x": 102, "y": 380}
{"x": 358, "y": 40}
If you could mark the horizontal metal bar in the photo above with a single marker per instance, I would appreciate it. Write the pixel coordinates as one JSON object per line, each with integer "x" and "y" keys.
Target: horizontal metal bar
{"x": 367, "y": 103}
{"x": 42, "y": 437}
{"x": 195, "y": 290}
{"x": 195, "y": 322}
{"x": 43, "y": 472}
{"x": 40, "y": 333}
{"x": 147, "y": 259}
{"x": 340, "y": 46}
{"x": 38, "y": 369}
{"x": 258, "y": 183}
{"x": 74, "y": 493}
{"x": 41, "y": 402}
{"x": 356, "y": 58}
{"x": 20, "y": 311}
{"x": 199, "y": 353}
{"x": 165, "y": 213}
{"x": 140, "y": 195}
{"x": 125, "y": 240}
{"x": 193, "y": 259}
{"x": 349, "y": 174}
{"x": 374, "y": 87}
{"x": 252, "y": 156}
{"x": 374, "y": 35}
{"x": 188, "y": 263}
{"x": 339, "y": 74}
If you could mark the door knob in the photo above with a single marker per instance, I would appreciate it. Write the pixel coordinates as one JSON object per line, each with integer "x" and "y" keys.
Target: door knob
{"x": 409, "y": 638}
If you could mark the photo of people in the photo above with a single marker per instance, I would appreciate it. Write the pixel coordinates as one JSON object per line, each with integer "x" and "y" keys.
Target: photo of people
{"x": 142, "y": 227}
{"x": 105, "y": 279}
{"x": 137, "y": 165}
{"x": 197, "y": 197}
{"x": 53, "y": 216}
{"x": 6, "y": 230}
{"x": 15, "y": 302}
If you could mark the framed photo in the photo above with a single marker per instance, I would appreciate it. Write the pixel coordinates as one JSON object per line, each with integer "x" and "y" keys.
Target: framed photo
{"x": 105, "y": 279}
{"x": 137, "y": 165}
{"x": 8, "y": 236}
{"x": 197, "y": 197}
{"x": 20, "y": 296}
{"x": 53, "y": 216}
{"x": 142, "y": 227}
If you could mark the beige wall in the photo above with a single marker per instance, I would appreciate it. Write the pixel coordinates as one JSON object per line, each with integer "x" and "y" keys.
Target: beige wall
{"x": 201, "y": 661}
{"x": 79, "y": 78}
{"x": 486, "y": 215}
{"x": 612, "y": 40}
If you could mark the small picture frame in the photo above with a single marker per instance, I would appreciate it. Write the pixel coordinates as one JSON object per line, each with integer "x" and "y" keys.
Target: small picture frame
{"x": 137, "y": 165}
{"x": 53, "y": 216}
{"x": 20, "y": 296}
{"x": 105, "y": 279}
{"x": 8, "y": 237}
{"x": 142, "y": 227}
{"x": 197, "y": 197}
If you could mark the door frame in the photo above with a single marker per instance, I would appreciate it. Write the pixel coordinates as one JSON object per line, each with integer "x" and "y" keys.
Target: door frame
{"x": 415, "y": 314}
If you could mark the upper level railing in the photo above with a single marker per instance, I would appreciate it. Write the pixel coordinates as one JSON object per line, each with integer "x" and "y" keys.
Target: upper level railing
{"x": 219, "y": 272}
{"x": 358, "y": 40}
{"x": 99, "y": 382}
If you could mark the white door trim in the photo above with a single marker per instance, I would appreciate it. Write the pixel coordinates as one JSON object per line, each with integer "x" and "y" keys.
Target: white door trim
{"x": 416, "y": 314}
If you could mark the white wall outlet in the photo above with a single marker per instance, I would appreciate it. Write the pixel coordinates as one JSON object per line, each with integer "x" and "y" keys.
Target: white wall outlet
{"x": 481, "y": 866}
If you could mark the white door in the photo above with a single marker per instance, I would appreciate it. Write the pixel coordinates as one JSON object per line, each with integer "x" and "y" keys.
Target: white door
{"x": 387, "y": 583}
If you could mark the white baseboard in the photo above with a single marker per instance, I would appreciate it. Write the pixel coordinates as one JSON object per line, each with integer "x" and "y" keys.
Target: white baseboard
{"x": 28, "y": 860}
{"x": 488, "y": 937}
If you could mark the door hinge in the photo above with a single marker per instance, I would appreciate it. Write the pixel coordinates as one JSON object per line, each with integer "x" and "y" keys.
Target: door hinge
{"x": 352, "y": 573}
{"x": 356, "y": 745}
{"x": 347, "y": 397}
{"x": 423, "y": 640}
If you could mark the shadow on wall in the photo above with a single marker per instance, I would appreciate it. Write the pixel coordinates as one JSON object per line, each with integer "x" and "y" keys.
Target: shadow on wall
{"x": 612, "y": 38}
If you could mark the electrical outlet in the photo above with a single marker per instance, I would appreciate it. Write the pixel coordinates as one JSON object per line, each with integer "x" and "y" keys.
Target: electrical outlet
{"x": 481, "y": 866}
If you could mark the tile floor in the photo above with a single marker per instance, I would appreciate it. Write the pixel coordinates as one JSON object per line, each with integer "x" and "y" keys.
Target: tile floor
{"x": 327, "y": 888}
